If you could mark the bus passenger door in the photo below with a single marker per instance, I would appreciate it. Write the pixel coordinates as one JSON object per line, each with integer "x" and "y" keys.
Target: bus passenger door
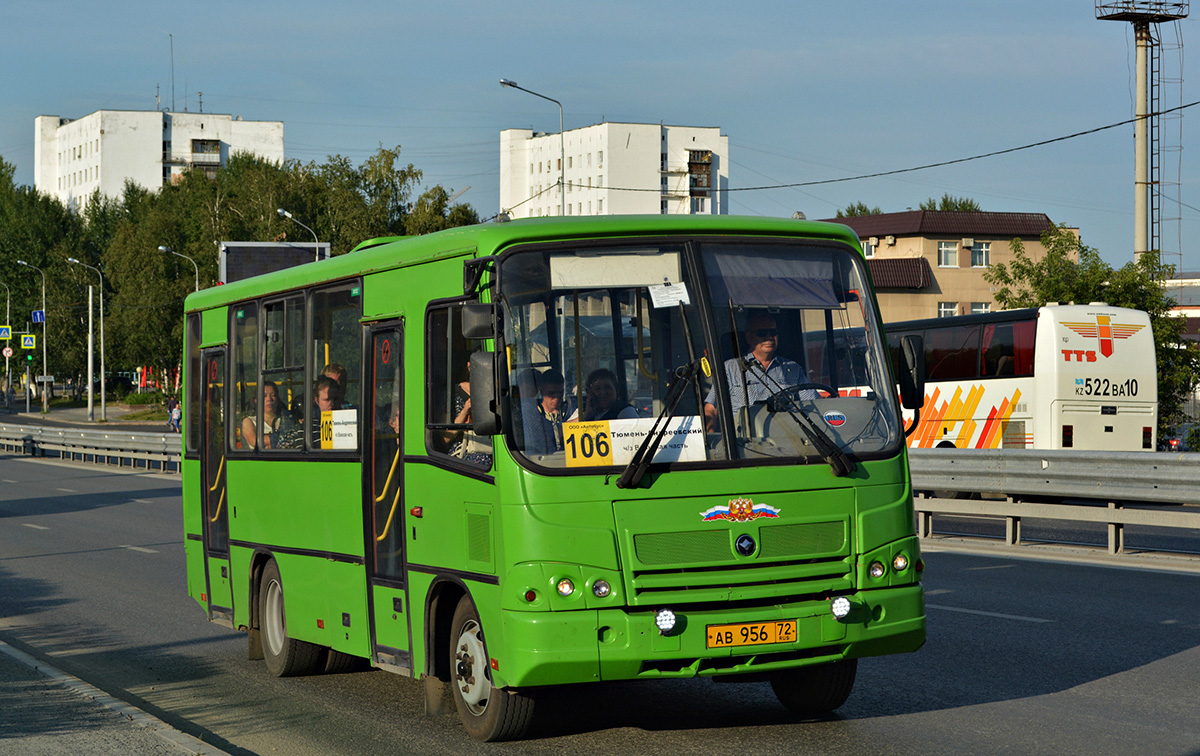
{"x": 216, "y": 503}
{"x": 383, "y": 502}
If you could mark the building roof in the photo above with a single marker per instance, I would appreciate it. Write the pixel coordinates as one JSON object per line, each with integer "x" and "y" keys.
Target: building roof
{"x": 948, "y": 223}
{"x": 900, "y": 272}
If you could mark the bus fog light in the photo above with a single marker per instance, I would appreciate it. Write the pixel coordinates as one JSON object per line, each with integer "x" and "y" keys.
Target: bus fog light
{"x": 565, "y": 587}
{"x": 601, "y": 589}
{"x": 900, "y": 563}
{"x": 876, "y": 570}
{"x": 665, "y": 620}
{"x": 840, "y": 607}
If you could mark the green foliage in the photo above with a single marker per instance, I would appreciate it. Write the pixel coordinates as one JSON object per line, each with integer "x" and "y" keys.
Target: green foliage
{"x": 1056, "y": 277}
{"x": 144, "y": 289}
{"x": 953, "y": 204}
{"x": 857, "y": 209}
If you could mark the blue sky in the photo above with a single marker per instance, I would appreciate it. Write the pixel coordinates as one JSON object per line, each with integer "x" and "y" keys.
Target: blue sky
{"x": 806, "y": 91}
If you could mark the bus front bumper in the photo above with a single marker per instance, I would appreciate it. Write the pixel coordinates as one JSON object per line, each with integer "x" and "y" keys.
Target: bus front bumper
{"x": 551, "y": 648}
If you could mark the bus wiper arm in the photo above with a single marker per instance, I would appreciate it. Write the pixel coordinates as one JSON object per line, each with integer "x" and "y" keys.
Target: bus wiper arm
{"x": 636, "y": 468}
{"x": 839, "y": 461}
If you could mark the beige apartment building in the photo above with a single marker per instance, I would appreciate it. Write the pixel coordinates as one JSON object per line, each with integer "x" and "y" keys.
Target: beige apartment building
{"x": 930, "y": 263}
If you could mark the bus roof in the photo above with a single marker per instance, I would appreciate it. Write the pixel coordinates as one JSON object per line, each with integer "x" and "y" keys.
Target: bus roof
{"x": 484, "y": 239}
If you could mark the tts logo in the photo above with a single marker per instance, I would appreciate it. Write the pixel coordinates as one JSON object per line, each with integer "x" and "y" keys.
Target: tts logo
{"x": 1079, "y": 355}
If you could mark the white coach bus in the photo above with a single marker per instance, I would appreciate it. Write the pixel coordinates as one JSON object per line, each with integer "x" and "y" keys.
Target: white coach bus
{"x": 1053, "y": 377}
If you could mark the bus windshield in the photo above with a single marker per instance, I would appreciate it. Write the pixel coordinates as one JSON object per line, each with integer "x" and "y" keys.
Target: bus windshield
{"x": 773, "y": 343}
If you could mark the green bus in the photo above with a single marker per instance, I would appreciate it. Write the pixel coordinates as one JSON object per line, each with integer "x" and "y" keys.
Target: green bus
{"x": 553, "y": 451}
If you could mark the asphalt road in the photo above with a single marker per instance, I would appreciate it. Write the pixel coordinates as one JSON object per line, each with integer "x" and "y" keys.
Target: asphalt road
{"x": 1023, "y": 656}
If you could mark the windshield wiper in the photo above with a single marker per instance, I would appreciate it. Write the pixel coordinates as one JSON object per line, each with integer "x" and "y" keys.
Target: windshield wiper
{"x": 636, "y": 469}
{"x": 839, "y": 462}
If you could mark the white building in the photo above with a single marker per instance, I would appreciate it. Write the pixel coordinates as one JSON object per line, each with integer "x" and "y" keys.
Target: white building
{"x": 73, "y": 158}
{"x": 615, "y": 169}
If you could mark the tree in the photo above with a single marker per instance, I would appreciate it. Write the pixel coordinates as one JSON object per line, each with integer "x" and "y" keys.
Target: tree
{"x": 857, "y": 209}
{"x": 952, "y": 204}
{"x": 432, "y": 212}
{"x": 1139, "y": 285}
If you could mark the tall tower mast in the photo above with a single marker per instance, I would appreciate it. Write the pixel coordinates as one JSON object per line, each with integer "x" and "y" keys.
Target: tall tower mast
{"x": 1143, "y": 13}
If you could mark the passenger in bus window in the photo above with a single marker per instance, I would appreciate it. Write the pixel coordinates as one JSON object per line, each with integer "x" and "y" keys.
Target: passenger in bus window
{"x": 341, "y": 376}
{"x": 762, "y": 339}
{"x": 276, "y": 423}
{"x": 544, "y": 435}
{"x": 604, "y": 401}
{"x": 327, "y": 396}
{"x": 464, "y": 444}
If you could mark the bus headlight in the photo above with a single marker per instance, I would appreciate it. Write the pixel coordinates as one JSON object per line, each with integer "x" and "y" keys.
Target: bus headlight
{"x": 900, "y": 563}
{"x": 665, "y": 620}
{"x": 565, "y": 587}
{"x": 876, "y": 570}
{"x": 601, "y": 589}
{"x": 840, "y": 607}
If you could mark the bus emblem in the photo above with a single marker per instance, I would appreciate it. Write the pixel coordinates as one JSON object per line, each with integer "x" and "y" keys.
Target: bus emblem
{"x": 1104, "y": 331}
{"x": 835, "y": 418}
{"x": 742, "y": 509}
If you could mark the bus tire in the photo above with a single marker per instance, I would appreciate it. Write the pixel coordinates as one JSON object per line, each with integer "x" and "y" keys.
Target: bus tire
{"x": 818, "y": 690}
{"x": 338, "y": 663}
{"x": 285, "y": 656}
{"x": 487, "y": 713}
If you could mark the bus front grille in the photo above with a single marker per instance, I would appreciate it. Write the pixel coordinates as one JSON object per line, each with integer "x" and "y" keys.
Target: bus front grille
{"x": 790, "y": 580}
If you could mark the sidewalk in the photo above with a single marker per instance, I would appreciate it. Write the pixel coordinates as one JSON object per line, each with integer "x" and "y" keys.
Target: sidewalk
{"x": 77, "y": 417}
{"x": 44, "y": 711}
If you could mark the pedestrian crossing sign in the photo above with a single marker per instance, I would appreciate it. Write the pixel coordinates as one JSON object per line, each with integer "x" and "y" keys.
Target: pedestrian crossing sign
{"x": 5, "y": 332}
{"x": 28, "y": 341}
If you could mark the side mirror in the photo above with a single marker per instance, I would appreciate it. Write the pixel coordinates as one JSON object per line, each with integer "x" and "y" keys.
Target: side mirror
{"x": 479, "y": 321}
{"x": 912, "y": 373}
{"x": 485, "y": 410}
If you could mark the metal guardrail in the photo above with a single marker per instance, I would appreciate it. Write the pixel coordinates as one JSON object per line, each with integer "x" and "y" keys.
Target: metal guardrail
{"x": 161, "y": 451}
{"x": 1120, "y": 488}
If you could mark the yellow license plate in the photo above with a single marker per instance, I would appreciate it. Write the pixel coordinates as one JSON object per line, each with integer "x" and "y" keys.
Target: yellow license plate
{"x": 751, "y": 633}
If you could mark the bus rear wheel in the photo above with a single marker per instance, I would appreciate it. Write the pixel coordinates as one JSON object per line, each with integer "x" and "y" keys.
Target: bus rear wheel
{"x": 818, "y": 690}
{"x": 487, "y": 713}
{"x": 285, "y": 656}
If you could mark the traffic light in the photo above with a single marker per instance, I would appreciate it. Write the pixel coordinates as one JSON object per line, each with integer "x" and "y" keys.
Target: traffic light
{"x": 29, "y": 358}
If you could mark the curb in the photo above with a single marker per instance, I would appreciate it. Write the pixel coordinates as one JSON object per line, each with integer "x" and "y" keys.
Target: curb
{"x": 189, "y": 743}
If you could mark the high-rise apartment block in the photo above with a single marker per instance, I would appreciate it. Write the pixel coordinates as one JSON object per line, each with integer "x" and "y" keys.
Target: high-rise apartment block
{"x": 74, "y": 157}
{"x": 615, "y": 169}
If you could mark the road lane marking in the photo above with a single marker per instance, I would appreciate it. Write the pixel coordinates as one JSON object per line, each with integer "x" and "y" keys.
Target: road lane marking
{"x": 992, "y": 567}
{"x": 986, "y": 614}
{"x": 141, "y": 501}
{"x": 35, "y": 527}
{"x": 140, "y": 548}
{"x": 67, "y": 490}
{"x": 6, "y": 480}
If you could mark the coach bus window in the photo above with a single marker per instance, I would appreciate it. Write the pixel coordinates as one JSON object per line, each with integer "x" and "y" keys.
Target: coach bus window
{"x": 283, "y": 368}
{"x": 448, "y": 401}
{"x": 195, "y": 388}
{"x": 245, "y": 368}
{"x": 952, "y": 354}
{"x": 336, "y": 366}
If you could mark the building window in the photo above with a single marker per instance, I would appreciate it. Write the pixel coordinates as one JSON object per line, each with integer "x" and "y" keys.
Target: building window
{"x": 981, "y": 255}
{"x": 947, "y": 254}
{"x": 947, "y": 309}
{"x": 869, "y": 248}
{"x": 570, "y": 161}
{"x": 981, "y": 308}
{"x": 599, "y": 207}
{"x": 599, "y": 182}
{"x": 600, "y": 159}
{"x": 664, "y": 207}
{"x": 699, "y": 205}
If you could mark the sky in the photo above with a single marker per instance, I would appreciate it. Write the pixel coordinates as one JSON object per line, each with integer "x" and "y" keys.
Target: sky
{"x": 805, "y": 91}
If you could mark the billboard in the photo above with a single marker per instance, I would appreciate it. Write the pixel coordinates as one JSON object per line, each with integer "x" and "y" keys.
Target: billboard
{"x": 240, "y": 260}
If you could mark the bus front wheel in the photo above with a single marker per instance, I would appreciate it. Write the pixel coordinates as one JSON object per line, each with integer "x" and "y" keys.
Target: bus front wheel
{"x": 285, "y": 656}
{"x": 818, "y": 690}
{"x": 487, "y": 713}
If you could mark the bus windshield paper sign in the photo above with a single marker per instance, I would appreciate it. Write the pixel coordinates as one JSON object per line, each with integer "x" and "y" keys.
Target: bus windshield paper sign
{"x": 603, "y": 443}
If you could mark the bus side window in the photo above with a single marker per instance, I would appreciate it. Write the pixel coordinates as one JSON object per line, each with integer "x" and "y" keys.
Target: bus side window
{"x": 283, "y": 368}
{"x": 337, "y": 364}
{"x": 447, "y": 408}
{"x": 245, "y": 370}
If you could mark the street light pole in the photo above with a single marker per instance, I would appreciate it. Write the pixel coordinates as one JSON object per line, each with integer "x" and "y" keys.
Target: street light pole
{"x": 316, "y": 244}
{"x": 185, "y": 257}
{"x": 103, "y": 405}
{"x": 8, "y": 320}
{"x": 45, "y": 367}
{"x": 562, "y": 157}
